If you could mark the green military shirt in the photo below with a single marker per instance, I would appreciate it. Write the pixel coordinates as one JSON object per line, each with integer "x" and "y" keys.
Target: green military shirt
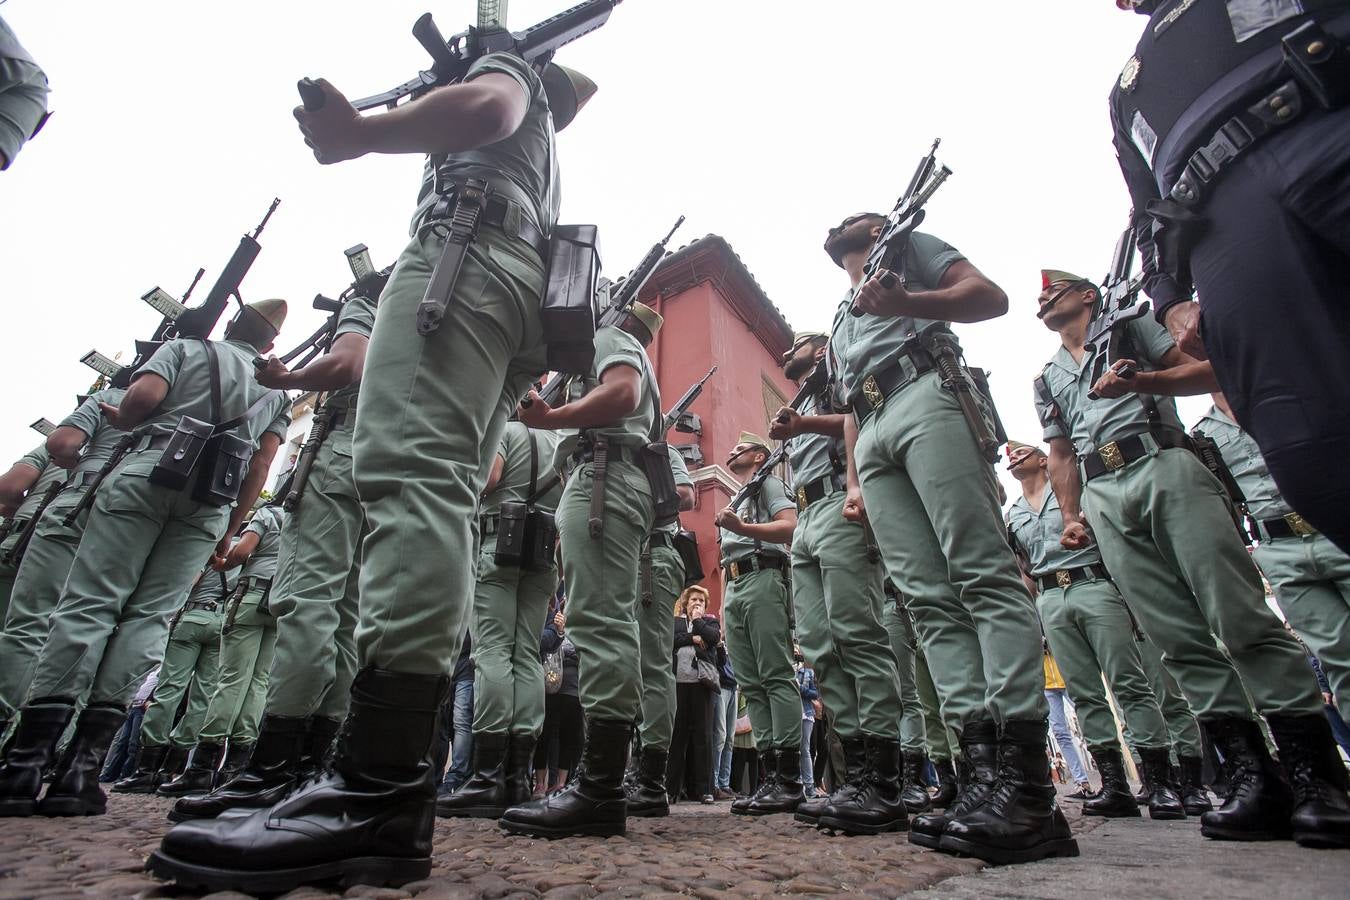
{"x": 184, "y": 365}
{"x": 1066, "y": 411}
{"x": 50, "y": 473}
{"x": 266, "y": 523}
{"x": 868, "y": 343}
{"x": 772, "y": 498}
{"x": 515, "y": 452}
{"x": 23, "y": 102}
{"x": 814, "y": 456}
{"x": 616, "y": 347}
{"x": 682, "y": 477}
{"x": 522, "y": 167}
{"x": 1037, "y": 533}
{"x": 1248, "y": 466}
{"x": 88, "y": 417}
{"x": 358, "y": 317}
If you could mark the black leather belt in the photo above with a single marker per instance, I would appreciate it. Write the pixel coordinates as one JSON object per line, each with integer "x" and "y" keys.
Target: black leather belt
{"x": 84, "y": 479}
{"x": 1062, "y": 578}
{"x": 498, "y": 213}
{"x": 757, "y": 562}
{"x": 819, "y": 489}
{"x": 888, "y": 382}
{"x": 208, "y": 605}
{"x": 585, "y": 454}
{"x": 661, "y": 539}
{"x": 1291, "y": 525}
{"x": 340, "y": 417}
{"x": 1115, "y": 455}
{"x": 488, "y": 524}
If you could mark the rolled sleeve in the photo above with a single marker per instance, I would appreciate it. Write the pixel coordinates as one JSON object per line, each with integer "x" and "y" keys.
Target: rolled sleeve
{"x": 775, "y": 497}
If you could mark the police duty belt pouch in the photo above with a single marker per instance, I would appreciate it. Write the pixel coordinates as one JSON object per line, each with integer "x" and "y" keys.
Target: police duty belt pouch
{"x": 686, "y": 544}
{"x": 568, "y": 310}
{"x": 655, "y": 459}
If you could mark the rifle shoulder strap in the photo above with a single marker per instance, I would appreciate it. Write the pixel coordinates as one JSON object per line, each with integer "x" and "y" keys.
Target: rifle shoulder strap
{"x": 213, "y": 370}
{"x": 1051, "y": 414}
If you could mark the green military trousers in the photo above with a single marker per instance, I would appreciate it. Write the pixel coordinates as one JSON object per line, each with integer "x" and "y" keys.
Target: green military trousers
{"x": 36, "y": 587}
{"x": 913, "y": 725}
{"x": 1167, "y": 536}
{"x": 1090, "y": 634}
{"x": 7, "y": 574}
{"x": 655, "y": 616}
{"x": 143, "y": 546}
{"x": 942, "y": 744}
{"x": 1311, "y": 578}
{"x": 759, "y": 641}
{"x": 833, "y": 573}
{"x": 247, "y": 643}
{"x": 191, "y": 666}
{"x": 509, "y": 607}
{"x": 601, "y": 575}
{"x": 1181, "y": 724}
{"x": 934, "y": 501}
{"x": 314, "y": 593}
{"x": 430, "y": 416}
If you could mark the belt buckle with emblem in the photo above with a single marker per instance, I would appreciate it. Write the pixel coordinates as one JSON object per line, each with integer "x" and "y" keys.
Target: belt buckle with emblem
{"x": 1299, "y": 525}
{"x": 735, "y": 570}
{"x": 1111, "y": 456}
{"x": 801, "y": 499}
{"x": 872, "y": 392}
{"x": 1063, "y": 577}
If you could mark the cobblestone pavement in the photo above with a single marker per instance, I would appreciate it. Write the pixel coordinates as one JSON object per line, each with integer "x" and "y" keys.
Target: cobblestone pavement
{"x": 699, "y": 850}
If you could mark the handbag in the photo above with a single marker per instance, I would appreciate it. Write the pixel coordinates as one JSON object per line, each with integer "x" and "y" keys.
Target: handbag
{"x": 707, "y": 674}
{"x": 553, "y": 671}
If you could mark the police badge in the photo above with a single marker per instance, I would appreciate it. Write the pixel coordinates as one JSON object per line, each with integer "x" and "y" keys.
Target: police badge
{"x": 1129, "y": 76}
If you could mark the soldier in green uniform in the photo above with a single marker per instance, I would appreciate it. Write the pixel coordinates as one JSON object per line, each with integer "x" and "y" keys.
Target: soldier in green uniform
{"x": 313, "y": 598}
{"x": 23, "y": 96}
{"x": 661, "y": 579}
{"x": 81, "y": 443}
{"x": 1124, "y": 465}
{"x": 191, "y": 666}
{"x": 837, "y": 596}
{"x": 432, "y": 411}
{"x": 1309, "y": 574}
{"x": 22, "y": 490}
{"x": 921, "y": 472}
{"x": 144, "y": 542}
{"x": 510, "y": 602}
{"x": 1091, "y": 633}
{"x": 943, "y": 748}
{"x": 247, "y": 640}
{"x": 1182, "y": 727}
{"x": 606, "y": 513}
{"x": 757, "y": 624}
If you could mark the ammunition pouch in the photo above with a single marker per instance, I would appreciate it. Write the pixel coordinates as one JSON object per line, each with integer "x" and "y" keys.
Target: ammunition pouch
{"x": 654, "y": 459}
{"x": 525, "y": 537}
{"x": 685, "y": 543}
{"x": 223, "y": 465}
{"x": 179, "y": 461}
{"x": 567, "y": 312}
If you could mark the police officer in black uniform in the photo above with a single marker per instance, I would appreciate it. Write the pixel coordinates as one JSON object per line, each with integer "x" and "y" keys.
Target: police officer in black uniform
{"x": 1232, "y": 125}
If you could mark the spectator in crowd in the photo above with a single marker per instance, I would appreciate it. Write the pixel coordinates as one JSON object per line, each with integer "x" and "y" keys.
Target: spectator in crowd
{"x": 121, "y": 761}
{"x": 724, "y": 725}
{"x": 456, "y": 724}
{"x": 559, "y": 745}
{"x": 1056, "y": 696}
{"x": 696, "y": 636}
{"x": 806, "y": 684}
{"x": 1339, "y": 729}
{"x": 744, "y": 755}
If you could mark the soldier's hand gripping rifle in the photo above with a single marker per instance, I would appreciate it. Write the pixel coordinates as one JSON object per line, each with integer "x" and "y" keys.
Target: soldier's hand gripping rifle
{"x": 452, "y": 58}
{"x": 197, "y": 321}
{"x": 1119, "y": 306}
{"x": 888, "y": 252}
{"x": 681, "y": 407}
{"x": 815, "y": 382}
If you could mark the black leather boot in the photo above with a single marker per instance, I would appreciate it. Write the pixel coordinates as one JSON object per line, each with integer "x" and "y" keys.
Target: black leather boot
{"x": 768, "y": 775}
{"x": 1019, "y": 821}
{"x": 785, "y": 793}
{"x": 648, "y": 799}
{"x": 236, "y": 758}
{"x": 174, "y": 762}
{"x": 272, "y": 772}
{"x": 855, "y": 758}
{"x": 1194, "y": 798}
{"x": 147, "y": 777}
{"x": 947, "y": 784}
{"x": 1259, "y": 801}
{"x": 483, "y": 796}
{"x": 594, "y": 804}
{"x": 31, "y": 749}
{"x": 318, "y": 750}
{"x": 1114, "y": 800}
{"x": 876, "y": 804}
{"x": 1321, "y": 816}
{"x": 200, "y": 775}
{"x": 75, "y": 790}
{"x": 915, "y": 793}
{"x": 519, "y": 755}
{"x": 1165, "y": 801}
{"x": 979, "y": 746}
{"x": 367, "y": 820}
{"x": 1141, "y": 796}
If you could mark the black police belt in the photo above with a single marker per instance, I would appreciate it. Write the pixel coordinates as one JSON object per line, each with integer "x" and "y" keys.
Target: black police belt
{"x": 1287, "y": 526}
{"x": 208, "y": 605}
{"x": 1062, "y": 578}
{"x": 498, "y": 212}
{"x": 819, "y": 489}
{"x": 1116, "y": 455}
{"x": 756, "y": 562}
{"x": 661, "y": 539}
{"x": 877, "y": 386}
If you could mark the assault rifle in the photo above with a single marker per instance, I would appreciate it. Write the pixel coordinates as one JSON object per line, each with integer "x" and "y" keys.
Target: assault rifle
{"x": 888, "y": 253}
{"x": 814, "y": 383}
{"x": 672, "y": 419}
{"x": 619, "y": 302}
{"x": 451, "y": 59}
{"x": 1118, "y": 307}
{"x": 197, "y": 321}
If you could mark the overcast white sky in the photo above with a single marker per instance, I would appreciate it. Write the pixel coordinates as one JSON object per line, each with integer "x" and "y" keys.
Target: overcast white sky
{"x": 765, "y": 121}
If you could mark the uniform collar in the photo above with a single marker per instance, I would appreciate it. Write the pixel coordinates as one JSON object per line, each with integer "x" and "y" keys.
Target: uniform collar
{"x": 1214, "y": 414}
{"x": 1063, "y": 359}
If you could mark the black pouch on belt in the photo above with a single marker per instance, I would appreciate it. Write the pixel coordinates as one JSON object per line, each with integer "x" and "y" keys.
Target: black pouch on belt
{"x": 222, "y": 472}
{"x": 568, "y": 310}
{"x": 178, "y": 461}
{"x": 686, "y": 544}
{"x": 511, "y": 518}
{"x": 1320, "y": 63}
{"x": 525, "y": 535}
{"x": 655, "y": 459}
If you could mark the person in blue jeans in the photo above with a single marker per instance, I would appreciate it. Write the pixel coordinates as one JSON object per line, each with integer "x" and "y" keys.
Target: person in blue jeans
{"x": 724, "y": 726}
{"x": 1059, "y": 727}
{"x": 457, "y": 724}
{"x": 806, "y": 683}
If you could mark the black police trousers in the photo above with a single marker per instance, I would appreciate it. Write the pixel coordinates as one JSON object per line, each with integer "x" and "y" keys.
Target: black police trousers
{"x": 1272, "y": 274}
